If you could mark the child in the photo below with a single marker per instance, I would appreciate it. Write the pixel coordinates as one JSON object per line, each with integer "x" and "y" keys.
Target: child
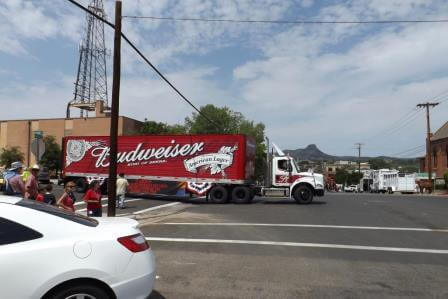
{"x": 40, "y": 194}
{"x": 93, "y": 200}
{"x": 48, "y": 196}
{"x": 67, "y": 200}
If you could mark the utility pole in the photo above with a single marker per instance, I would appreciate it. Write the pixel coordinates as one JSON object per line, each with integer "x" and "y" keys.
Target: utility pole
{"x": 428, "y": 144}
{"x": 113, "y": 140}
{"x": 358, "y": 146}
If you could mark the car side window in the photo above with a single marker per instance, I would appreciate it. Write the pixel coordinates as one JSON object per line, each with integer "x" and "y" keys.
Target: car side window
{"x": 13, "y": 232}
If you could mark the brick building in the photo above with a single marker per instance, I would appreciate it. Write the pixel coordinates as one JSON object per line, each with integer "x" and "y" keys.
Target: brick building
{"x": 20, "y": 132}
{"x": 439, "y": 153}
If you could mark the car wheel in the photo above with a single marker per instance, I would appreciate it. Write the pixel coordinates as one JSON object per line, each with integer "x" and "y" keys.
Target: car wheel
{"x": 85, "y": 291}
{"x": 219, "y": 194}
{"x": 303, "y": 194}
{"x": 241, "y": 194}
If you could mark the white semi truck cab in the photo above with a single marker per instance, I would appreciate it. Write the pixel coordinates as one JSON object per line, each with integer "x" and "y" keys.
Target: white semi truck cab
{"x": 284, "y": 179}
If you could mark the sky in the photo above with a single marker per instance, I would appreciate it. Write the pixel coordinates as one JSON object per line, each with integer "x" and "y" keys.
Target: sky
{"x": 332, "y": 85}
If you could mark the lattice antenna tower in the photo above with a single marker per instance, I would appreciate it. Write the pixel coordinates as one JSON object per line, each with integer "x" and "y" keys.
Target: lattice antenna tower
{"x": 91, "y": 81}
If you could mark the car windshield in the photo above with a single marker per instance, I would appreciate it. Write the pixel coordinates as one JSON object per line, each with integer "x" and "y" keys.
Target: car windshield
{"x": 45, "y": 208}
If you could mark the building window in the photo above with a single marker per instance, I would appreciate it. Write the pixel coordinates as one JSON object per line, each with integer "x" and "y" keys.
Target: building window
{"x": 446, "y": 155}
{"x": 435, "y": 157}
{"x": 330, "y": 169}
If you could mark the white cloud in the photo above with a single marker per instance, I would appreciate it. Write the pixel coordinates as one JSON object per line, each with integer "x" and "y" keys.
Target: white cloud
{"x": 36, "y": 100}
{"x": 327, "y": 84}
{"x": 307, "y": 3}
{"x": 155, "y": 100}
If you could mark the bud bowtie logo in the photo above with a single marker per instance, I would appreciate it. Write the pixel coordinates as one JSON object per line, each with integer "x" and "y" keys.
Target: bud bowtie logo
{"x": 76, "y": 150}
{"x": 216, "y": 162}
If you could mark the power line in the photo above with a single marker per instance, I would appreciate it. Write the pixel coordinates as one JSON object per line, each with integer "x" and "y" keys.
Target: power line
{"x": 297, "y": 22}
{"x": 403, "y": 125}
{"x": 358, "y": 146}
{"x": 148, "y": 62}
{"x": 428, "y": 138}
{"x": 409, "y": 150}
{"x": 396, "y": 125}
{"x": 414, "y": 153}
{"x": 406, "y": 118}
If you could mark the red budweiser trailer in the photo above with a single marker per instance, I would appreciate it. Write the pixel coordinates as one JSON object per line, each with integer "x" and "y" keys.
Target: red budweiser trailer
{"x": 220, "y": 166}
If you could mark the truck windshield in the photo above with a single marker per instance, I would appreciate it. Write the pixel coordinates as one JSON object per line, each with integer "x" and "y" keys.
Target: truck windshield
{"x": 296, "y": 166}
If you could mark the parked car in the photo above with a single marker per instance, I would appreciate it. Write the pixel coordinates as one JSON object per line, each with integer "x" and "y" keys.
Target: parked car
{"x": 46, "y": 252}
{"x": 351, "y": 188}
{"x": 44, "y": 175}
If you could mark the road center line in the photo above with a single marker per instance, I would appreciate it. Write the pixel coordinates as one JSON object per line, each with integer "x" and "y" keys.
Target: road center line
{"x": 417, "y": 229}
{"x": 294, "y": 244}
{"x": 105, "y": 205}
{"x": 157, "y": 207}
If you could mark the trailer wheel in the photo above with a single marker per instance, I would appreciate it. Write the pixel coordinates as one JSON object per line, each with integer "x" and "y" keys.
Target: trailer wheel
{"x": 303, "y": 194}
{"x": 81, "y": 185}
{"x": 241, "y": 194}
{"x": 219, "y": 194}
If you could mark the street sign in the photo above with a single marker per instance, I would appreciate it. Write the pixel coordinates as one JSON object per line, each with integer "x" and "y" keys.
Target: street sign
{"x": 38, "y": 134}
{"x": 38, "y": 148}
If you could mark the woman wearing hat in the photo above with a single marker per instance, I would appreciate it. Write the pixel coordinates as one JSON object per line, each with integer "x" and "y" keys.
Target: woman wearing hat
{"x": 32, "y": 185}
{"x": 14, "y": 183}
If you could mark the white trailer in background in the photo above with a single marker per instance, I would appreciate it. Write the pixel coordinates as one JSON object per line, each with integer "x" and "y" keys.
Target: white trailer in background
{"x": 387, "y": 180}
{"x": 384, "y": 180}
{"x": 406, "y": 183}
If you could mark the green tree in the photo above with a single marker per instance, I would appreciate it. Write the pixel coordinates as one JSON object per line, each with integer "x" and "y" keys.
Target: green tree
{"x": 378, "y": 163}
{"x": 153, "y": 127}
{"x": 226, "y": 120}
{"x": 445, "y": 176}
{"x": 354, "y": 178}
{"x": 9, "y": 155}
{"x": 229, "y": 122}
{"x": 341, "y": 176}
{"x": 52, "y": 156}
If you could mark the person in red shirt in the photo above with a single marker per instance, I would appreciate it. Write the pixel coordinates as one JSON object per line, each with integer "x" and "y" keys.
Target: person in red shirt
{"x": 32, "y": 185}
{"x": 67, "y": 200}
{"x": 93, "y": 200}
{"x": 40, "y": 195}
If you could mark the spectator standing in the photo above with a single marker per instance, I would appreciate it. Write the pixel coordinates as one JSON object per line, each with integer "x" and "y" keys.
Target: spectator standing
{"x": 25, "y": 174}
{"x": 122, "y": 185}
{"x": 67, "y": 200}
{"x": 40, "y": 194}
{"x": 48, "y": 196}
{"x": 93, "y": 200}
{"x": 13, "y": 181}
{"x": 32, "y": 185}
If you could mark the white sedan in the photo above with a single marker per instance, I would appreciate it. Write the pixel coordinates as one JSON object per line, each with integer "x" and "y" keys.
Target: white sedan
{"x": 46, "y": 252}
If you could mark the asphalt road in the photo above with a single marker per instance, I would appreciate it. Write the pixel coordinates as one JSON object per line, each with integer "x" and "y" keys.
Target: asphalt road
{"x": 341, "y": 246}
{"x": 132, "y": 205}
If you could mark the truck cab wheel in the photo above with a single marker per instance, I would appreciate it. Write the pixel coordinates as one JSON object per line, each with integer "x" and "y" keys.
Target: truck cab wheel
{"x": 241, "y": 194}
{"x": 303, "y": 194}
{"x": 219, "y": 194}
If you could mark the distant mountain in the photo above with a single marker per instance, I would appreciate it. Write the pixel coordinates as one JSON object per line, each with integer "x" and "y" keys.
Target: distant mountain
{"x": 313, "y": 153}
